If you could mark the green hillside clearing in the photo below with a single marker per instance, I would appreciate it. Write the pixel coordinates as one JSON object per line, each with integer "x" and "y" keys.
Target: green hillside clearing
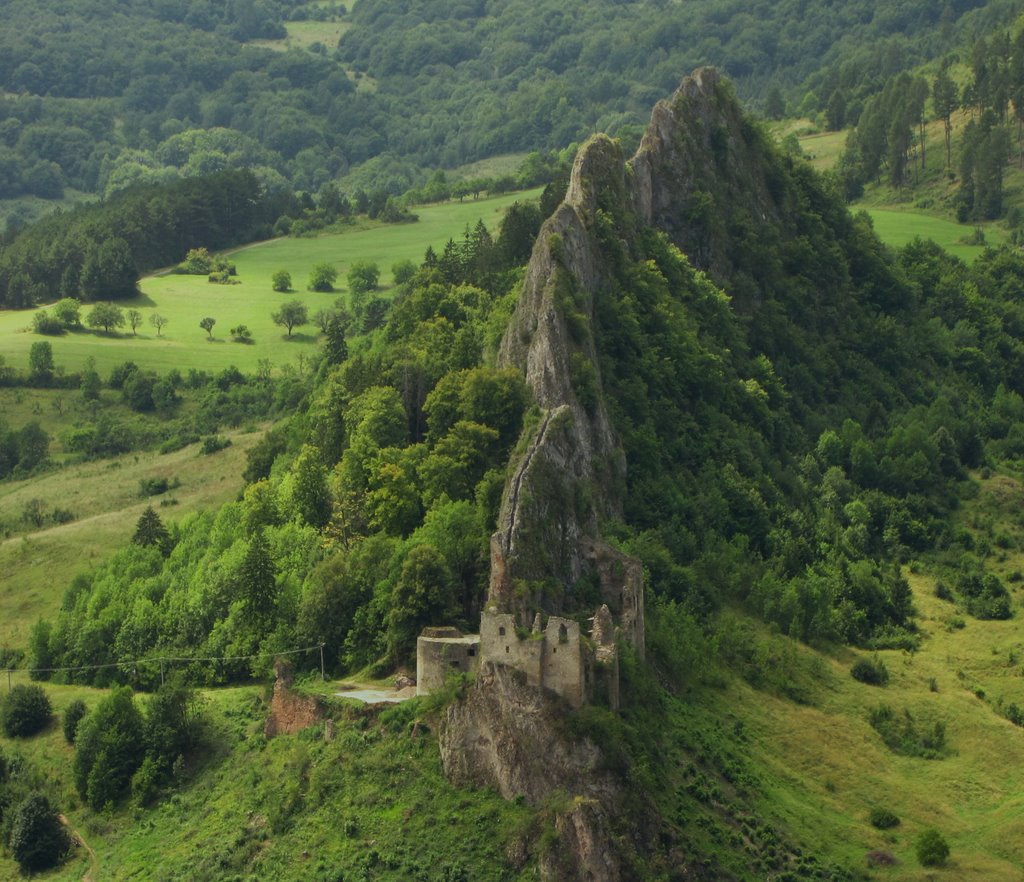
{"x": 185, "y": 300}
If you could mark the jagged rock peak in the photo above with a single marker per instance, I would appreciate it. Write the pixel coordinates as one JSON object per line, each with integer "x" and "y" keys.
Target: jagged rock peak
{"x": 598, "y": 175}
{"x": 700, "y": 159}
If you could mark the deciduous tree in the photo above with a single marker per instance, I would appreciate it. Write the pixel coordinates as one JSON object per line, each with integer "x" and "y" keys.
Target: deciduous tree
{"x": 105, "y": 315}
{"x": 291, "y": 314}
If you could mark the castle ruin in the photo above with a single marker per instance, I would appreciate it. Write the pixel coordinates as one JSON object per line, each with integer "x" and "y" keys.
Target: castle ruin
{"x": 551, "y": 655}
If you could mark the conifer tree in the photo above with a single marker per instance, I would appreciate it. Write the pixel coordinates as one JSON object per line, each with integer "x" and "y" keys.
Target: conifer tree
{"x": 150, "y": 530}
{"x": 258, "y": 577}
{"x": 335, "y": 349}
{"x": 946, "y": 99}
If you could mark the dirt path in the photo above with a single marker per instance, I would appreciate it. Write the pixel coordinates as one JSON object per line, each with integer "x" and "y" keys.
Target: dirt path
{"x": 79, "y": 840}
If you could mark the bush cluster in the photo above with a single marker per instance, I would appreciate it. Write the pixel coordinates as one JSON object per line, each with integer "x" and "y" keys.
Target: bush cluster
{"x": 871, "y": 671}
{"x": 24, "y": 711}
{"x": 883, "y": 819}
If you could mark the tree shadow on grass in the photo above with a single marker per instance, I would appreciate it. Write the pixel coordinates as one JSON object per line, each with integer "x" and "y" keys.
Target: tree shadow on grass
{"x": 299, "y": 337}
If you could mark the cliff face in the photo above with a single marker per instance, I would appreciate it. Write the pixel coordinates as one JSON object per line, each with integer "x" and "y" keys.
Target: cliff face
{"x": 568, "y": 476}
{"x": 512, "y": 738}
{"x": 571, "y": 473}
{"x": 699, "y": 160}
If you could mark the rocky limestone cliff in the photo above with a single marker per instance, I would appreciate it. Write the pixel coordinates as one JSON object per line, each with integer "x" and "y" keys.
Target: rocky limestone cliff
{"x": 703, "y": 173}
{"x": 513, "y": 738}
{"x": 568, "y": 475}
{"x": 571, "y": 473}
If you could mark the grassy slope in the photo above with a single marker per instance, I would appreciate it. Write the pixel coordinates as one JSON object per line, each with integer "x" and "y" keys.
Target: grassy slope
{"x": 303, "y": 34}
{"x": 282, "y": 810}
{"x": 372, "y": 803}
{"x": 826, "y": 768}
{"x": 104, "y": 497}
{"x": 298, "y": 808}
{"x": 923, "y": 209}
{"x": 897, "y": 227}
{"x": 184, "y": 300}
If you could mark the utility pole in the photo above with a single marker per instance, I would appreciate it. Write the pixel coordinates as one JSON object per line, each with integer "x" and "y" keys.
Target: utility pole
{"x": 323, "y": 674}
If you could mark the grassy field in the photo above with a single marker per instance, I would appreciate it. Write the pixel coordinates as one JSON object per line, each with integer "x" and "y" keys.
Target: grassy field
{"x": 492, "y": 167}
{"x": 104, "y": 497}
{"x": 371, "y": 803}
{"x": 823, "y": 148}
{"x": 185, "y": 300}
{"x": 897, "y": 227}
{"x": 303, "y": 34}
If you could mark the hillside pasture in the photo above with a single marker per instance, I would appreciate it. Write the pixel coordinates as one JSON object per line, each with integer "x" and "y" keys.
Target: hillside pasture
{"x": 897, "y": 228}
{"x": 105, "y": 499}
{"x": 186, "y": 300}
{"x": 304, "y": 34}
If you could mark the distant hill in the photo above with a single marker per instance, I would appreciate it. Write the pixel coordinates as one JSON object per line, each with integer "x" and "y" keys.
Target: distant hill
{"x": 96, "y": 96}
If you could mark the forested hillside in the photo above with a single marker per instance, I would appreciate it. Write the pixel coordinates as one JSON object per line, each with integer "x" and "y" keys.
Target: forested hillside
{"x": 802, "y": 412}
{"x": 804, "y": 415}
{"x": 99, "y": 96}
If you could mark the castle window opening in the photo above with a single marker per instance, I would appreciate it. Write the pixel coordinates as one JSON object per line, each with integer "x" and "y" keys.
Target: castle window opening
{"x": 506, "y": 649}
{"x": 471, "y": 652}
{"x": 563, "y": 634}
{"x": 501, "y": 632}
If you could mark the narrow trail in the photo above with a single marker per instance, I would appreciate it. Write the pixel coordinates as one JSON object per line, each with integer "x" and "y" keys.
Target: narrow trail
{"x": 77, "y": 838}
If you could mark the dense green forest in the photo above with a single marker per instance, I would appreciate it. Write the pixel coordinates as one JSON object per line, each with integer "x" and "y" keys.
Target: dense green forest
{"x": 795, "y": 434}
{"x": 787, "y": 453}
{"x": 804, "y": 412}
{"x": 98, "y": 97}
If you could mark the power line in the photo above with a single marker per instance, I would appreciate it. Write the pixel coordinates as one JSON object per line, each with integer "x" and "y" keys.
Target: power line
{"x": 162, "y": 659}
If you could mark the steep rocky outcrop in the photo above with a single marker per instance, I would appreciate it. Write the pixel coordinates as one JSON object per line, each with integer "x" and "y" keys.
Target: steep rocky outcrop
{"x": 701, "y": 159}
{"x": 513, "y": 738}
{"x": 571, "y": 473}
{"x": 568, "y": 476}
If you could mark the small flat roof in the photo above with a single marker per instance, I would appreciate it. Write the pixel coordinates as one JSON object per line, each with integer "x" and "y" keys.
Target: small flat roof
{"x": 464, "y": 639}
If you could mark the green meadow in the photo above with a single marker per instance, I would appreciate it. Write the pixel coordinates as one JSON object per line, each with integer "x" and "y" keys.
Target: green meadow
{"x": 823, "y": 148}
{"x": 186, "y": 300}
{"x": 104, "y": 497}
{"x": 896, "y": 227}
{"x": 304, "y": 34}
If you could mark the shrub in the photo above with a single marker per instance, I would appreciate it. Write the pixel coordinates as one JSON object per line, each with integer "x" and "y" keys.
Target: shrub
{"x": 403, "y": 271}
{"x": 153, "y": 486}
{"x": 24, "y": 711}
{"x": 121, "y": 373}
{"x": 68, "y": 312}
{"x": 871, "y": 671}
{"x": 44, "y": 323}
{"x": 146, "y": 781}
{"x": 198, "y": 262}
{"x": 241, "y": 334}
{"x": 902, "y": 735}
{"x": 883, "y": 819}
{"x": 110, "y": 747}
{"x": 931, "y": 848}
{"x": 363, "y": 276}
{"x": 323, "y": 277}
{"x": 73, "y": 714}
{"x": 38, "y": 841}
{"x": 281, "y": 281}
{"x": 214, "y": 443}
